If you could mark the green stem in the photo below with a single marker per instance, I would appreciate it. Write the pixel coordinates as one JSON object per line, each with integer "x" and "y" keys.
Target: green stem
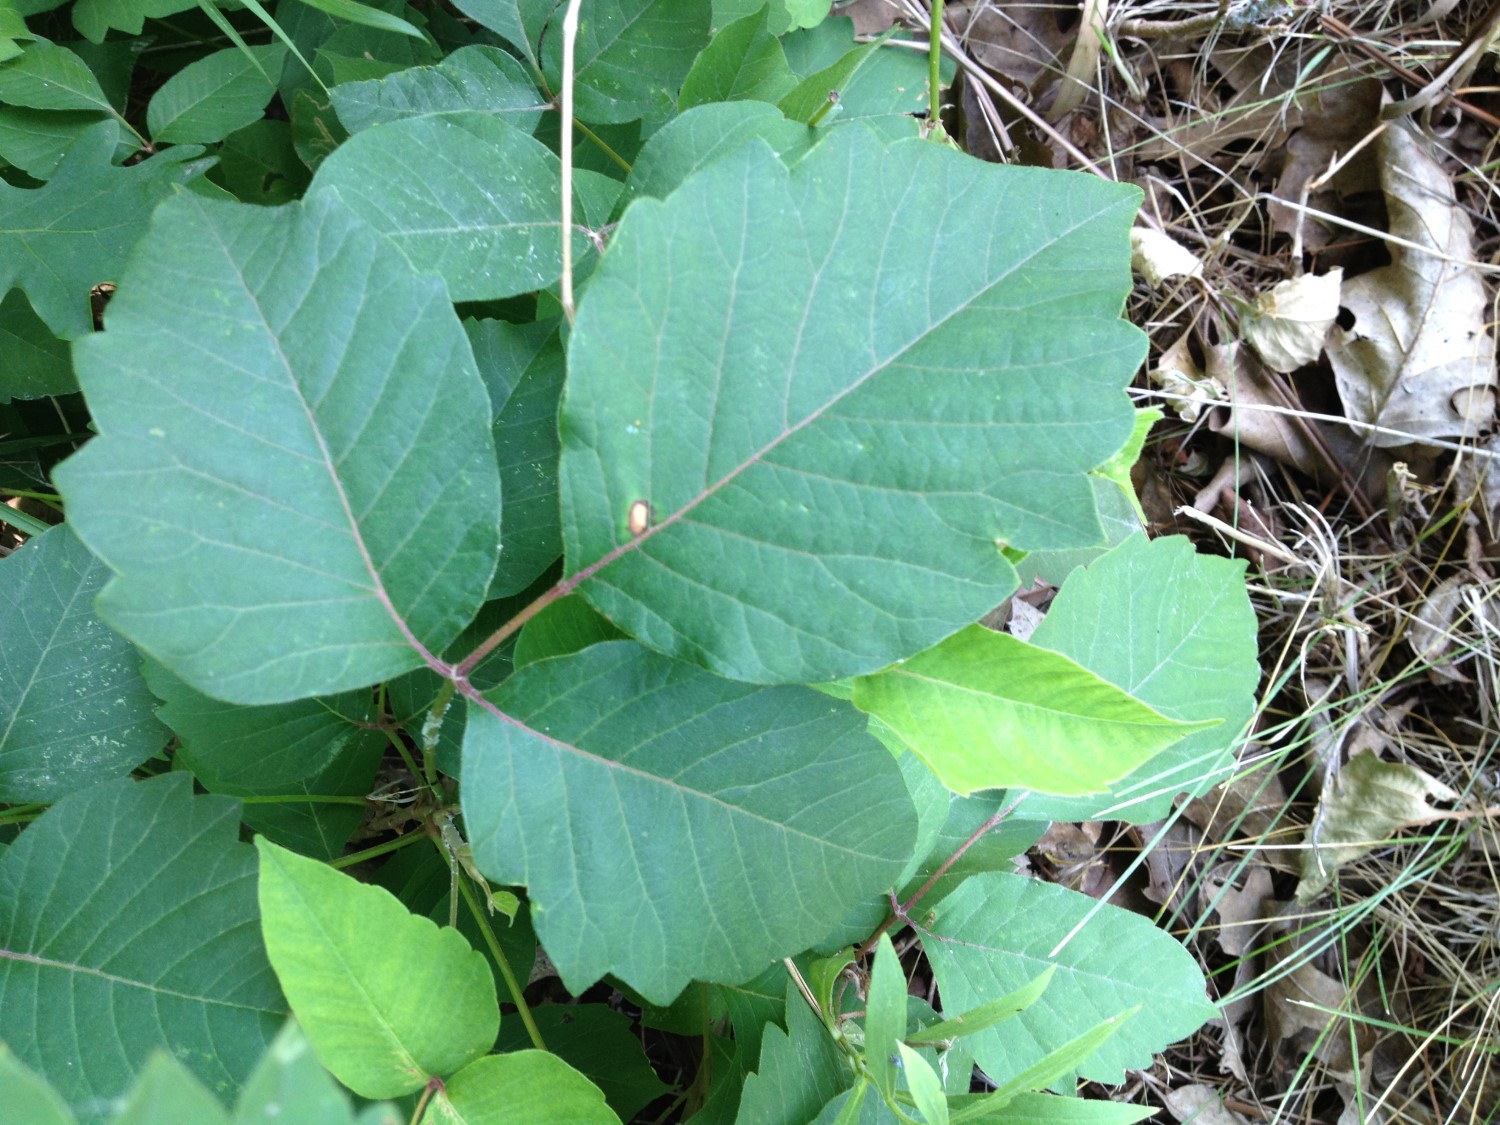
{"x": 432, "y": 729}
{"x": 500, "y": 959}
{"x": 379, "y": 849}
{"x": 603, "y": 147}
{"x": 406, "y": 758}
{"x": 21, "y": 814}
{"x": 935, "y": 63}
{"x": 300, "y": 798}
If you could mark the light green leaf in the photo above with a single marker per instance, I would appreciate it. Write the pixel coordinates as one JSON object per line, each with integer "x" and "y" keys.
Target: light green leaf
{"x": 366, "y": 16}
{"x": 988, "y": 711}
{"x": 1174, "y": 629}
{"x": 47, "y": 76}
{"x": 673, "y": 826}
{"x": 521, "y": 1088}
{"x": 387, "y": 998}
{"x": 479, "y": 78}
{"x": 1052, "y": 1069}
{"x": 926, "y": 1089}
{"x": 27, "y": 1096}
{"x": 209, "y": 99}
{"x": 987, "y": 1015}
{"x": 349, "y": 533}
{"x": 602, "y": 1044}
{"x": 128, "y": 924}
{"x": 484, "y": 213}
{"x": 73, "y": 708}
{"x": 310, "y": 747}
{"x": 806, "y": 13}
{"x": 1052, "y": 1109}
{"x": 167, "y": 1093}
{"x": 885, "y": 1016}
{"x": 631, "y": 56}
{"x": 744, "y": 60}
{"x": 800, "y": 1069}
{"x": 290, "y": 1087}
{"x": 998, "y": 931}
{"x": 59, "y": 241}
{"x": 831, "y": 481}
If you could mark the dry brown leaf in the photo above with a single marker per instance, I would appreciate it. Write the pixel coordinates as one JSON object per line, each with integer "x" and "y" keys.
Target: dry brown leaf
{"x": 1339, "y": 114}
{"x": 1287, "y": 323}
{"x": 1417, "y": 358}
{"x": 1157, "y": 256}
{"x": 1202, "y": 1105}
{"x": 1365, "y": 803}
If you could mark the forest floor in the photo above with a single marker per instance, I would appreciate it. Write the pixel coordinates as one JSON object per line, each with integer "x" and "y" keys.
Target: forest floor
{"x": 1317, "y": 273}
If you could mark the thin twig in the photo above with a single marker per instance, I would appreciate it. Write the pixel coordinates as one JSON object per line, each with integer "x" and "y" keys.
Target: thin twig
{"x": 565, "y": 143}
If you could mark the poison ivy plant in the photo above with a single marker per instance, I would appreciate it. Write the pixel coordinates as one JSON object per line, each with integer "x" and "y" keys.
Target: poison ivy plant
{"x": 552, "y": 657}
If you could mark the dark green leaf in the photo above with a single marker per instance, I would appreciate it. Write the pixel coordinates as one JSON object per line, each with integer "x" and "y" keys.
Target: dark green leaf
{"x": 346, "y": 536}
{"x": 35, "y": 140}
{"x": 483, "y": 79}
{"x": 567, "y": 625}
{"x": 672, "y": 825}
{"x": 59, "y": 241}
{"x": 831, "y": 482}
{"x": 484, "y": 213}
{"x": 600, "y": 1044}
{"x": 259, "y": 164}
{"x": 885, "y": 1016}
{"x": 96, "y": 18}
{"x": 128, "y": 923}
{"x": 36, "y": 363}
{"x": 744, "y": 60}
{"x": 310, "y": 748}
{"x": 996, "y": 931}
{"x": 518, "y": 22}
{"x": 47, "y": 76}
{"x": 366, "y": 16}
{"x": 73, "y": 708}
{"x": 800, "y": 1069}
{"x": 631, "y": 56}
{"x": 705, "y": 134}
{"x": 211, "y": 98}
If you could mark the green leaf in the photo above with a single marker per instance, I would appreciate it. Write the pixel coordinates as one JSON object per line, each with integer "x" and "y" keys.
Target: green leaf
{"x": 167, "y": 1093}
{"x": 387, "y": 999}
{"x": 808, "y": 101}
{"x": 128, "y": 924}
{"x": 290, "y": 1087}
{"x": 310, "y": 747}
{"x": 988, "y": 711}
{"x": 1051, "y": 1109}
{"x": 602, "y": 1045}
{"x": 744, "y": 60}
{"x": 209, "y": 99}
{"x": 479, "y": 78}
{"x": 27, "y": 1096}
{"x": 631, "y": 56}
{"x": 47, "y": 76}
{"x": 59, "y": 241}
{"x": 74, "y": 710}
{"x": 987, "y": 1015}
{"x": 674, "y": 826}
{"x": 484, "y": 214}
{"x": 96, "y": 18}
{"x": 530, "y": 359}
{"x": 36, "y": 363}
{"x": 365, "y": 16}
{"x": 997, "y": 931}
{"x": 521, "y": 1088}
{"x": 1054, "y": 1068}
{"x": 754, "y": 1005}
{"x": 831, "y": 481}
{"x": 259, "y": 164}
{"x": 1175, "y": 629}
{"x": 518, "y": 22}
{"x": 35, "y": 140}
{"x": 800, "y": 1069}
{"x": 346, "y": 536}
{"x": 885, "y": 1016}
{"x": 565, "y": 626}
{"x": 926, "y": 1089}
{"x": 703, "y": 135}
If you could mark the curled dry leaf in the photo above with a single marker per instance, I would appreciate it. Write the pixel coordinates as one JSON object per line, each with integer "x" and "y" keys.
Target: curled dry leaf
{"x": 1178, "y": 373}
{"x": 1417, "y": 358}
{"x": 1157, "y": 256}
{"x": 1287, "y": 323}
{"x": 1363, "y": 806}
